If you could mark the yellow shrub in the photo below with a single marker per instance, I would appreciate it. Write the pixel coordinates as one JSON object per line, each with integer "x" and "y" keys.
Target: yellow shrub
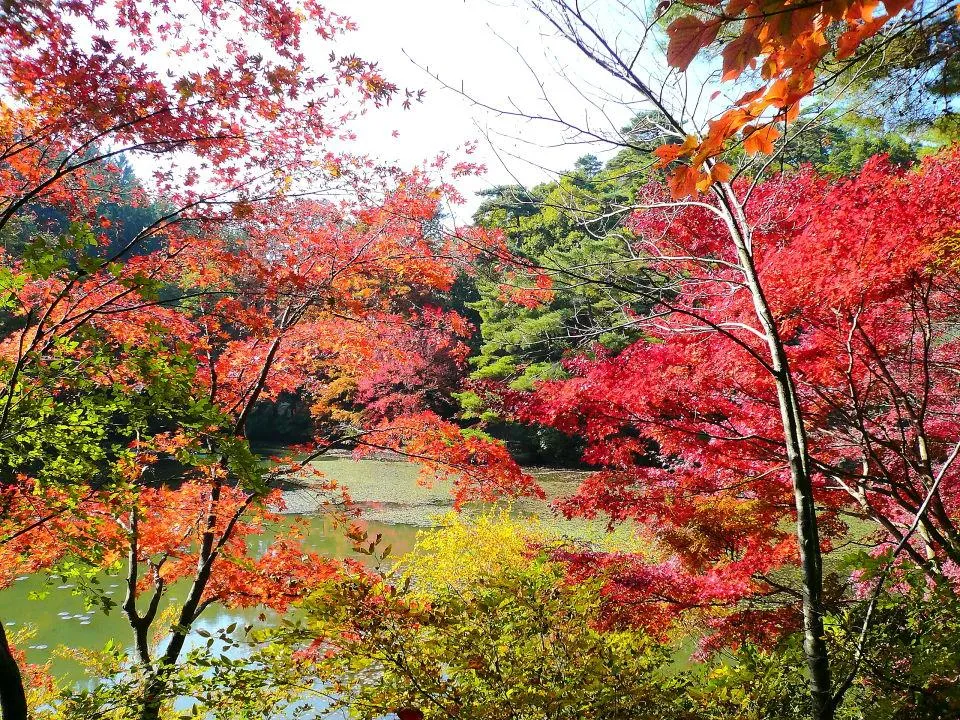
{"x": 462, "y": 549}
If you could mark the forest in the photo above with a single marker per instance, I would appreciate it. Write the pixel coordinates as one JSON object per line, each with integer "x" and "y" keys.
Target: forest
{"x": 297, "y": 431}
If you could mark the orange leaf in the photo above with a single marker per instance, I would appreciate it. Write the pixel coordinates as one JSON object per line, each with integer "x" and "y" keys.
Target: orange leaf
{"x": 689, "y": 35}
{"x": 862, "y": 10}
{"x": 760, "y": 140}
{"x": 749, "y": 97}
{"x": 666, "y": 154}
{"x": 777, "y": 94}
{"x": 721, "y": 172}
{"x": 735, "y": 7}
{"x": 719, "y": 131}
{"x": 848, "y": 43}
{"x": 791, "y": 113}
{"x": 801, "y": 20}
{"x": 683, "y": 182}
{"x": 738, "y": 54}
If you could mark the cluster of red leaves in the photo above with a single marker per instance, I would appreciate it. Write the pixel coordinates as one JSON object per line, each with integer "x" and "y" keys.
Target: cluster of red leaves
{"x": 221, "y": 97}
{"x": 420, "y": 367}
{"x": 479, "y": 469}
{"x": 247, "y": 288}
{"x": 686, "y": 423}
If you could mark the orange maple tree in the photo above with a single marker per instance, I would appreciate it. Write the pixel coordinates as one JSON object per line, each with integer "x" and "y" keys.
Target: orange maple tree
{"x": 277, "y": 265}
{"x": 300, "y": 296}
{"x": 784, "y": 42}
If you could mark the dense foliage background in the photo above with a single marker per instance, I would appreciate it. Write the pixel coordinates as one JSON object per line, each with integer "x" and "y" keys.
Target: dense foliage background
{"x": 741, "y": 325}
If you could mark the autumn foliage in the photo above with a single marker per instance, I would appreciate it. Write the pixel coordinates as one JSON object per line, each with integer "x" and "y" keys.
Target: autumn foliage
{"x": 685, "y": 426}
{"x": 787, "y": 371}
{"x": 272, "y": 265}
{"x": 781, "y": 46}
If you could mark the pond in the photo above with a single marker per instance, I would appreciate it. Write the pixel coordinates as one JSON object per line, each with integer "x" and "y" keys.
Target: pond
{"x": 393, "y": 504}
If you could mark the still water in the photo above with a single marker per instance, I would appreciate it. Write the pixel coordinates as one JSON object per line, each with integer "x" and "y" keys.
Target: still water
{"x": 393, "y": 503}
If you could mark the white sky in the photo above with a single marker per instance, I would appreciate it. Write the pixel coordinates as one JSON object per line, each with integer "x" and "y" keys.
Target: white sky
{"x": 499, "y": 52}
{"x": 469, "y": 44}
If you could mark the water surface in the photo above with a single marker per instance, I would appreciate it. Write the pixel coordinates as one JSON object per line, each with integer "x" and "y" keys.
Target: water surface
{"x": 393, "y": 504}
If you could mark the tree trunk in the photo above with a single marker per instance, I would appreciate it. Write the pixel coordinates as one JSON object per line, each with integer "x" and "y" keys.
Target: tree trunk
{"x": 795, "y": 441}
{"x": 156, "y": 684}
{"x": 152, "y": 697}
{"x": 808, "y": 540}
{"x": 13, "y": 697}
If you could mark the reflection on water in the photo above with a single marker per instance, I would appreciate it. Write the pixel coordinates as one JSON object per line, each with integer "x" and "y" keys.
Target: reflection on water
{"x": 58, "y": 616}
{"x": 394, "y": 504}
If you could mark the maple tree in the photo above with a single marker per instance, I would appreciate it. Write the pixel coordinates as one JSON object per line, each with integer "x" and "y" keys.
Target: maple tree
{"x": 720, "y": 185}
{"x": 311, "y": 297}
{"x": 86, "y": 84}
{"x": 221, "y": 103}
{"x": 686, "y": 423}
{"x": 728, "y": 204}
{"x": 122, "y": 361}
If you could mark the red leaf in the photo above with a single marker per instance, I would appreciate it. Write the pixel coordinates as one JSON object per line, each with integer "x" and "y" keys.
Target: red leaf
{"x": 689, "y": 35}
{"x": 409, "y": 714}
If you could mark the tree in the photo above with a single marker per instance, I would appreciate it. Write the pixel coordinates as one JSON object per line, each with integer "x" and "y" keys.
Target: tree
{"x": 575, "y": 222}
{"x": 861, "y": 299}
{"x": 702, "y": 174}
{"x": 670, "y": 116}
{"x": 843, "y": 146}
{"x": 526, "y": 330}
{"x": 223, "y": 129}
{"x": 119, "y": 359}
{"x": 86, "y": 92}
{"x": 308, "y": 298}
{"x": 501, "y": 635}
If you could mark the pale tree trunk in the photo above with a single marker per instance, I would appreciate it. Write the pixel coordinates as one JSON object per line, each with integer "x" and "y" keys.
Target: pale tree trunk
{"x": 795, "y": 441}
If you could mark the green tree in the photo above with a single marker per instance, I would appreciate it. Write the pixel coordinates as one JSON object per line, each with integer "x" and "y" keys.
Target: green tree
{"x": 574, "y": 222}
{"x": 839, "y": 144}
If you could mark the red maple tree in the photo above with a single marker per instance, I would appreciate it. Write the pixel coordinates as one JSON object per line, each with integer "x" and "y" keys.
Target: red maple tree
{"x": 704, "y": 435}
{"x": 686, "y": 425}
